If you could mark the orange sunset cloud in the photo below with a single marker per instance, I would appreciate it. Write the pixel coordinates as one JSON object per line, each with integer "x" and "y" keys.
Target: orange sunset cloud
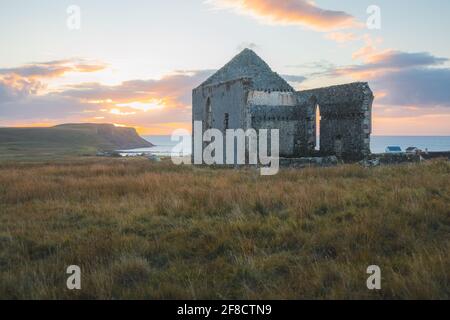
{"x": 296, "y": 12}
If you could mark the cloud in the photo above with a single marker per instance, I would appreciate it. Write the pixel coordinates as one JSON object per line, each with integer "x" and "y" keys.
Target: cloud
{"x": 315, "y": 66}
{"x": 422, "y": 87}
{"x": 342, "y": 37}
{"x": 175, "y": 88}
{"x": 417, "y": 79}
{"x": 393, "y": 60}
{"x": 369, "y": 48}
{"x": 53, "y": 69}
{"x": 20, "y": 82}
{"x": 21, "y": 96}
{"x": 296, "y": 12}
{"x": 293, "y": 78}
{"x": 14, "y": 87}
{"x": 411, "y": 89}
{"x": 247, "y": 45}
{"x": 140, "y": 103}
{"x": 43, "y": 109}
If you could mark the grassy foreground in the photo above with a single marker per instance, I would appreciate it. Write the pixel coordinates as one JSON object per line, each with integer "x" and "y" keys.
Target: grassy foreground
{"x": 154, "y": 230}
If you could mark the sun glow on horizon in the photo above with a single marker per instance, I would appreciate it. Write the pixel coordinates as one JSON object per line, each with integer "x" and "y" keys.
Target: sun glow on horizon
{"x": 153, "y": 104}
{"x": 118, "y": 112}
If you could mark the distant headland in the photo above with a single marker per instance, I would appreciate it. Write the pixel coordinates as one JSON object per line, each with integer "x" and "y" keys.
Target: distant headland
{"x": 68, "y": 139}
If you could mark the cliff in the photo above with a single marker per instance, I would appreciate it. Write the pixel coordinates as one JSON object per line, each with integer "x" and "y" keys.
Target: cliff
{"x": 67, "y": 139}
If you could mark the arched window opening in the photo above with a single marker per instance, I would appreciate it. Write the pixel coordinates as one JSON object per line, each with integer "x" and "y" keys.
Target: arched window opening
{"x": 317, "y": 126}
{"x": 208, "y": 112}
{"x": 338, "y": 145}
{"x": 226, "y": 121}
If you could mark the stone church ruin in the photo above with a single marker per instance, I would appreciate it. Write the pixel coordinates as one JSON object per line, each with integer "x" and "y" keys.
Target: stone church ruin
{"x": 247, "y": 94}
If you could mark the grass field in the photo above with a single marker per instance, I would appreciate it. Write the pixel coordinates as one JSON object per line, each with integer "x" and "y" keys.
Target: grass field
{"x": 154, "y": 230}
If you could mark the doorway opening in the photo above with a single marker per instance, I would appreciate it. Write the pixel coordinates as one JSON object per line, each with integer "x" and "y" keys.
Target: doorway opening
{"x": 226, "y": 121}
{"x": 338, "y": 146}
{"x": 317, "y": 127}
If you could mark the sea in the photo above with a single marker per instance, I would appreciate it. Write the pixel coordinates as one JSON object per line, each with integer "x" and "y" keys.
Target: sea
{"x": 164, "y": 146}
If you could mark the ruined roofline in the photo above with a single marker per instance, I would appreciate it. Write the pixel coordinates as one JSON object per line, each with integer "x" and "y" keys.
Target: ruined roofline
{"x": 247, "y": 64}
{"x": 243, "y": 79}
{"x": 218, "y": 84}
{"x": 357, "y": 83}
{"x": 338, "y": 86}
{"x": 343, "y": 93}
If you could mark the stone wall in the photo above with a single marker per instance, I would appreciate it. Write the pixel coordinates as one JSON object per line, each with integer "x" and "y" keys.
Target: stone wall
{"x": 345, "y": 111}
{"x": 279, "y": 110}
{"x": 271, "y": 98}
{"x": 224, "y": 98}
{"x": 221, "y": 106}
{"x": 289, "y": 120}
{"x": 345, "y": 125}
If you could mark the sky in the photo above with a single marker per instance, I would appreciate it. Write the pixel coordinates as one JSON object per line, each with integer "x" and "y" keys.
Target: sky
{"x": 135, "y": 62}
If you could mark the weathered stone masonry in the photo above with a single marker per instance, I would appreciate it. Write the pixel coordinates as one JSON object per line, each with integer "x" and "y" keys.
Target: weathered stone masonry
{"x": 346, "y": 119}
{"x": 246, "y": 94}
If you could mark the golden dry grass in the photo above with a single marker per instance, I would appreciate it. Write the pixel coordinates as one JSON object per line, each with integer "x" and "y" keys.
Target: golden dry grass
{"x": 159, "y": 231}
